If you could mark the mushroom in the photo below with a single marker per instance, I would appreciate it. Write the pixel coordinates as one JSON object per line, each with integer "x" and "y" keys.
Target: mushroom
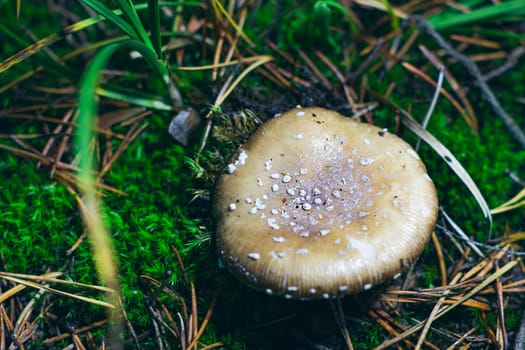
{"x": 316, "y": 205}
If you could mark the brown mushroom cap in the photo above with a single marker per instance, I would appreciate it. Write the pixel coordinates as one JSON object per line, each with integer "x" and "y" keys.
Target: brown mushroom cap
{"x": 316, "y": 205}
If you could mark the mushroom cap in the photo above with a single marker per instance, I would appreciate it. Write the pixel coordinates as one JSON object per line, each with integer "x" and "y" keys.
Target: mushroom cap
{"x": 317, "y": 205}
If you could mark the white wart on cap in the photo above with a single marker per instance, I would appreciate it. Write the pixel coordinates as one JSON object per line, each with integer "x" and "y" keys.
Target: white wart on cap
{"x": 316, "y": 205}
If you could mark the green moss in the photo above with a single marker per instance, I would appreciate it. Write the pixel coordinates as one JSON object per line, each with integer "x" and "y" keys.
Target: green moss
{"x": 37, "y": 221}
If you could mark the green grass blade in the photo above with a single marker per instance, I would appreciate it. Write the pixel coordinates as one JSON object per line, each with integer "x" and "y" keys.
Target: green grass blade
{"x": 87, "y": 119}
{"x": 13, "y": 36}
{"x": 111, "y": 16}
{"x": 502, "y": 33}
{"x": 130, "y": 13}
{"x": 100, "y": 238}
{"x": 447, "y": 20}
{"x": 135, "y": 98}
{"x": 154, "y": 18}
{"x": 88, "y": 107}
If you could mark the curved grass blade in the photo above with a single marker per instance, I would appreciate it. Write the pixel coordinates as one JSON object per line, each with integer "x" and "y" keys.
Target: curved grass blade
{"x": 100, "y": 238}
{"x": 112, "y": 16}
{"x": 90, "y": 85}
{"x": 130, "y": 13}
{"x": 444, "y": 153}
{"x": 450, "y": 160}
{"x": 87, "y": 114}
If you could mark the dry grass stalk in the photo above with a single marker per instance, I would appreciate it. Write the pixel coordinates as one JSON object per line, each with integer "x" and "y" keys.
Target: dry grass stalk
{"x": 485, "y": 278}
{"x": 433, "y": 314}
{"x": 20, "y": 324}
{"x": 513, "y": 203}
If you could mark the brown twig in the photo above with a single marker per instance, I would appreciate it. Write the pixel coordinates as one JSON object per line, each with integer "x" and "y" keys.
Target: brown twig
{"x": 56, "y": 131}
{"x": 441, "y": 259}
{"x": 470, "y": 117}
{"x": 200, "y": 330}
{"x": 128, "y": 324}
{"x": 461, "y": 339}
{"x": 349, "y": 92}
{"x": 79, "y": 330}
{"x": 367, "y": 62}
{"x": 384, "y": 320}
{"x": 326, "y": 83}
{"x": 512, "y": 60}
